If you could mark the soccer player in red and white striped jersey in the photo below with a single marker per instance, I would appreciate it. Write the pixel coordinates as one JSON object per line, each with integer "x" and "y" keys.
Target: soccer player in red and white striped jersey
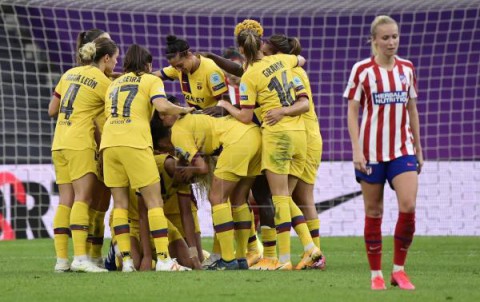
{"x": 387, "y": 144}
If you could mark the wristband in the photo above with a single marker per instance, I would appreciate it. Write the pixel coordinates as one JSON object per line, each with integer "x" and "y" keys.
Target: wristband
{"x": 193, "y": 251}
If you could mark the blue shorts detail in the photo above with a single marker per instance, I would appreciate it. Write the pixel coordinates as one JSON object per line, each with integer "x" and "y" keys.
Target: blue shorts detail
{"x": 381, "y": 172}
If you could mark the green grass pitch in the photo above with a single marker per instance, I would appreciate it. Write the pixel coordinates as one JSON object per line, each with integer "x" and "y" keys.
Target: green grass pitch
{"x": 442, "y": 269}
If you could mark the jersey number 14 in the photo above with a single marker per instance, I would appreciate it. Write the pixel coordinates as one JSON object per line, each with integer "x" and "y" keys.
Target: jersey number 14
{"x": 283, "y": 89}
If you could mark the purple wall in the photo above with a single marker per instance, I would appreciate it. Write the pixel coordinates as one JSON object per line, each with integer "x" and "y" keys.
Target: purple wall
{"x": 444, "y": 45}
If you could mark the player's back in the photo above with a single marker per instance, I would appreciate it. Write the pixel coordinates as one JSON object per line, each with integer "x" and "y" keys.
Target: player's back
{"x": 128, "y": 108}
{"x": 194, "y": 133}
{"x": 270, "y": 82}
{"x": 82, "y": 92}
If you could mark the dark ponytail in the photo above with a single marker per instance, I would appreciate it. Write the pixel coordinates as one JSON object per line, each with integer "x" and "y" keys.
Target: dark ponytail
{"x": 176, "y": 46}
{"x": 283, "y": 44}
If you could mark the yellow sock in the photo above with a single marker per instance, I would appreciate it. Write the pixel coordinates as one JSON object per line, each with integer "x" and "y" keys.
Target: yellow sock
{"x": 283, "y": 224}
{"x": 223, "y": 224}
{"x": 159, "y": 230}
{"x": 121, "y": 228}
{"x": 98, "y": 232}
{"x": 61, "y": 231}
{"x": 314, "y": 227}
{"x": 216, "y": 245}
{"x": 79, "y": 227}
{"x": 252, "y": 237}
{"x": 300, "y": 226}
{"x": 242, "y": 225}
{"x": 269, "y": 241}
{"x": 91, "y": 227}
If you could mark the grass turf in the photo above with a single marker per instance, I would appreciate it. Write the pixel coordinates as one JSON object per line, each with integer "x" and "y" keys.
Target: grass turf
{"x": 442, "y": 269}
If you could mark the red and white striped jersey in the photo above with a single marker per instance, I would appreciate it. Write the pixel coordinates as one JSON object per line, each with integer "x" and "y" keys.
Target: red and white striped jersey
{"x": 234, "y": 93}
{"x": 385, "y": 132}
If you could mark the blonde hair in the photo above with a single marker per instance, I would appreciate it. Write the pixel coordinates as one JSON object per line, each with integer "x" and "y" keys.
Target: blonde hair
{"x": 88, "y": 51}
{"x": 379, "y": 20}
{"x": 249, "y": 24}
{"x": 251, "y": 43}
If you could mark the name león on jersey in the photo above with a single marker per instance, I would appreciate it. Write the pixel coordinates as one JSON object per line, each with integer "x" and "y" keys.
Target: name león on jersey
{"x": 394, "y": 97}
{"x": 273, "y": 68}
{"x": 78, "y": 78}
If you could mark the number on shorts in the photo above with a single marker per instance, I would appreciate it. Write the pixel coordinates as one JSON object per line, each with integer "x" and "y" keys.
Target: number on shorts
{"x": 67, "y": 102}
{"x": 132, "y": 92}
{"x": 283, "y": 89}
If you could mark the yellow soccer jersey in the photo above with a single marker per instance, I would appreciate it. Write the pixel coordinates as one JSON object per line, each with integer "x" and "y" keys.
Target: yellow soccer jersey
{"x": 128, "y": 107}
{"x": 269, "y": 83}
{"x": 202, "y": 134}
{"x": 100, "y": 121}
{"x": 301, "y": 82}
{"x": 203, "y": 86}
{"x": 169, "y": 188}
{"x": 82, "y": 93}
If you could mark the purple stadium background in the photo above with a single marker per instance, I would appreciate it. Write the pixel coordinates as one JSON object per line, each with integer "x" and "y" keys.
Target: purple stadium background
{"x": 443, "y": 44}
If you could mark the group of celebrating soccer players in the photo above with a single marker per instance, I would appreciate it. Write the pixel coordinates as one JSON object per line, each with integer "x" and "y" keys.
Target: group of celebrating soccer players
{"x": 250, "y": 134}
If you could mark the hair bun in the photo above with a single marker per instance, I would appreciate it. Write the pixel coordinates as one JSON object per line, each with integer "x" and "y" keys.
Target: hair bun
{"x": 88, "y": 51}
{"x": 171, "y": 39}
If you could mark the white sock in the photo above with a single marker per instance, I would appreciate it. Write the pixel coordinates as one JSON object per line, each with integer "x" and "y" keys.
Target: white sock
{"x": 308, "y": 247}
{"x": 397, "y": 268}
{"x": 61, "y": 260}
{"x": 376, "y": 274}
{"x": 284, "y": 258}
{"x": 81, "y": 258}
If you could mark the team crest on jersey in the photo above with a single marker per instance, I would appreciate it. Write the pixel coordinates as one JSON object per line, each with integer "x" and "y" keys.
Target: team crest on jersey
{"x": 403, "y": 79}
{"x": 199, "y": 85}
{"x": 243, "y": 88}
{"x": 215, "y": 78}
{"x": 298, "y": 83}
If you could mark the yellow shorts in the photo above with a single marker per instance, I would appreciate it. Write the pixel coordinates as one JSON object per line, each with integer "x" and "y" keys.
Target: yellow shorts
{"x": 126, "y": 166}
{"x": 134, "y": 228}
{"x": 71, "y": 165}
{"x": 284, "y": 152}
{"x": 173, "y": 232}
{"x": 176, "y": 220}
{"x": 242, "y": 158}
{"x": 314, "y": 157}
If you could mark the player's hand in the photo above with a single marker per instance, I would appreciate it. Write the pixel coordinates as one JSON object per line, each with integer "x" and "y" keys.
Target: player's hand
{"x": 274, "y": 116}
{"x": 419, "y": 156}
{"x": 146, "y": 264}
{"x": 216, "y": 111}
{"x": 359, "y": 162}
{"x": 187, "y": 110}
{"x": 196, "y": 265}
{"x": 183, "y": 175}
{"x": 222, "y": 103}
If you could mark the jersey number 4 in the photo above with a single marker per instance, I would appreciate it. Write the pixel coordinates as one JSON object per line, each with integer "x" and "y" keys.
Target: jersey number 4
{"x": 283, "y": 89}
{"x": 132, "y": 92}
{"x": 67, "y": 102}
